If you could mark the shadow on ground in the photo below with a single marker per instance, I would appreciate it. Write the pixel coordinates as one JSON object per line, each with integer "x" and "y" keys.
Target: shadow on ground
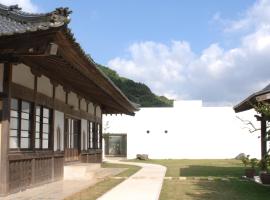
{"x": 234, "y": 189}
{"x": 205, "y": 171}
{"x": 223, "y": 190}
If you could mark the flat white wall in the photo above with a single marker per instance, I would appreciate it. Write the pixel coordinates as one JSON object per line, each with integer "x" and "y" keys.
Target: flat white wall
{"x": 73, "y": 100}
{"x": 83, "y": 105}
{"x": 44, "y": 86}
{"x": 59, "y": 126}
{"x": 21, "y": 74}
{"x": 91, "y": 108}
{"x": 193, "y": 131}
{"x": 60, "y": 94}
{"x": 98, "y": 112}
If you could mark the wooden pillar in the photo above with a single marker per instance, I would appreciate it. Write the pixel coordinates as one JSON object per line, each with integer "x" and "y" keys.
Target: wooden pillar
{"x": 101, "y": 131}
{"x": 101, "y": 138}
{"x": 95, "y": 127}
{"x": 4, "y": 130}
{"x": 33, "y": 127}
{"x": 52, "y": 138}
{"x": 263, "y": 137}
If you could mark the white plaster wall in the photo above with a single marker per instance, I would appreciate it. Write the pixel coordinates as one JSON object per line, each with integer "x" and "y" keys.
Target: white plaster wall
{"x": 73, "y": 100}
{"x": 44, "y": 86}
{"x": 83, "y": 132}
{"x": 98, "y": 111}
{"x": 91, "y": 108}
{"x": 21, "y": 74}
{"x": 60, "y": 94}
{"x": 1, "y": 76}
{"x": 83, "y": 105}
{"x": 59, "y": 123}
{"x": 193, "y": 132}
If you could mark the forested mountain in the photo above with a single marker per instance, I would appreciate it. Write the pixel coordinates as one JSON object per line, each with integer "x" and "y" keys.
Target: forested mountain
{"x": 136, "y": 92}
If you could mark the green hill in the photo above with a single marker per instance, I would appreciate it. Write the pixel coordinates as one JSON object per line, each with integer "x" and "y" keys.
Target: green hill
{"x": 136, "y": 92}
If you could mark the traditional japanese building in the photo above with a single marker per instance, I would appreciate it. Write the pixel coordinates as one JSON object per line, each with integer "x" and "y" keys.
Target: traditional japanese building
{"x": 261, "y": 96}
{"x": 52, "y": 99}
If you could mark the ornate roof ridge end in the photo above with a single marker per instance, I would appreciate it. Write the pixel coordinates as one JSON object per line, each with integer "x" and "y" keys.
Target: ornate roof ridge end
{"x": 59, "y": 15}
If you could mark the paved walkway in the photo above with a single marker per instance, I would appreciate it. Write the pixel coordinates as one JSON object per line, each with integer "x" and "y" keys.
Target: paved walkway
{"x": 61, "y": 189}
{"x": 146, "y": 184}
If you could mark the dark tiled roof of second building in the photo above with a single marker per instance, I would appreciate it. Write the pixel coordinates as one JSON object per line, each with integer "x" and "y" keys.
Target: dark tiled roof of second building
{"x": 246, "y": 104}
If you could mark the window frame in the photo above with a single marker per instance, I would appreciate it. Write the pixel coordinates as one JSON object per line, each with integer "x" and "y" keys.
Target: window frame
{"x": 90, "y": 133}
{"x": 19, "y": 118}
{"x": 98, "y": 139}
{"x": 41, "y": 128}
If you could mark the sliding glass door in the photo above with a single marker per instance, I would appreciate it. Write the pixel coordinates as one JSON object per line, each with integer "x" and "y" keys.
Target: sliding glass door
{"x": 72, "y": 139}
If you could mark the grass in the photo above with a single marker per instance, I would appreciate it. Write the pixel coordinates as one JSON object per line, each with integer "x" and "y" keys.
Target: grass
{"x": 200, "y": 168}
{"x": 234, "y": 189}
{"x": 131, "y": 169}
{"x": 95, "y": 191}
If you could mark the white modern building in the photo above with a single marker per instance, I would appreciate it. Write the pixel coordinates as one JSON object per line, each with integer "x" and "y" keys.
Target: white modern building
{"x": 186, "y": 130}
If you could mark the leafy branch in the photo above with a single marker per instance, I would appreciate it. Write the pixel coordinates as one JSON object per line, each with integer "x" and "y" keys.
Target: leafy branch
{"x": 262, "y": 108}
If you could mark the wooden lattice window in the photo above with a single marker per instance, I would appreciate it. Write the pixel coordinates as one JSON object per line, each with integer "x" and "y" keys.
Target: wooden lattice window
{"x": 20, "y": 124}
{"x": 90, "y": 131}
{"x": 42, "y": 135}
{"x": 98, "y": 133}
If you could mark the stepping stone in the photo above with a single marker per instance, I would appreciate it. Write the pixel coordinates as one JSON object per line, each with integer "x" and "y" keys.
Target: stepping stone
{"x": 210, "y": 179}
{"x": 182, "y": 178}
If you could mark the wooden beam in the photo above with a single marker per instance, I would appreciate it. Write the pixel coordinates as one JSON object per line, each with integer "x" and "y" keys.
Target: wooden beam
{"x": 263, "y": 97}
{"x": 27, "y": 42}
{"x": 51, "y": 137}
{"x": 55, "y": 42}
{"x": 33, "y": 128}
{"x": 19, "y": 91}
{"x": 4, "y": 134}
{"x": 263, "y": 137}
{"x": 60, "y": 71}
{"x": 79, "y": 61}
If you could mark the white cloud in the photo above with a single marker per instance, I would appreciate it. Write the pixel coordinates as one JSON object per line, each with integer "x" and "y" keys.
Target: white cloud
{"x": 256, "y": 16}
{"x": 26, "y": 5}
{"x": 215, "y": 75}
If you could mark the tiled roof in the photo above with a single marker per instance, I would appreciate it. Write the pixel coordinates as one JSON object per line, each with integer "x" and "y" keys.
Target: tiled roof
{"x": 15, "y": 21}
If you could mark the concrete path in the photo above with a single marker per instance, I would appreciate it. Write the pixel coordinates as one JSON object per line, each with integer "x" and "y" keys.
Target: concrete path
{"x": 146, "y": 184}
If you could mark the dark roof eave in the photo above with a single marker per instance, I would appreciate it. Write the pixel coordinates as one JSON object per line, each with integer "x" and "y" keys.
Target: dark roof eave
{"x": 49, "y": 21}
{"x": 246, "y": 104}
{"x": 130, "y": 106}
{"x": 134, "y": 106}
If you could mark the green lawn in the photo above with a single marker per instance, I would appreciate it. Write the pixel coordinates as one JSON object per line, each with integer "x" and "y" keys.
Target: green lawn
{"x": 131, "y": 169}
{"x": 233, "y": 189}
{"x": 93, "y": 192}
{"x": 200, "y": 168}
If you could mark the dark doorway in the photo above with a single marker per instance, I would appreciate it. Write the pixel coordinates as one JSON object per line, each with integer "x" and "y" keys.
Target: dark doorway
{"x": 115, "y": 145}
{"x": 72, "y": 139}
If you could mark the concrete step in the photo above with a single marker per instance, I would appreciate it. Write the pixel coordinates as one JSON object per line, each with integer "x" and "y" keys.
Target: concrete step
{"x": 81, "y": 171}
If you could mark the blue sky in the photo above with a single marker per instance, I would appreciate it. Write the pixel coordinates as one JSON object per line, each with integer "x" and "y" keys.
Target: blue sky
{"x": 106, "y": 28}
{"x": 216, "y": 51}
